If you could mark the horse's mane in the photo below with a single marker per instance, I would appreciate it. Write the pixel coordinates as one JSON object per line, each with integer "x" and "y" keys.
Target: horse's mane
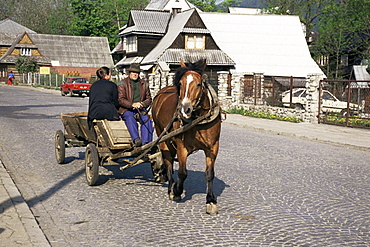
{"x": 197, "y": 67}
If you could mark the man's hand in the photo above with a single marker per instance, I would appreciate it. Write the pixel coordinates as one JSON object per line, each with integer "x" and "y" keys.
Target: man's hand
{"x": 137, "y": 105}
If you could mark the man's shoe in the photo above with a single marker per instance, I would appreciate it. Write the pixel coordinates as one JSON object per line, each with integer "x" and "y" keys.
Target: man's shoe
{"x": 138, "y": 142}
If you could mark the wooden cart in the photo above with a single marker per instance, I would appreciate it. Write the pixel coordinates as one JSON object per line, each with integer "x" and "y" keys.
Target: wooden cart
{"x": 107, "y": 142}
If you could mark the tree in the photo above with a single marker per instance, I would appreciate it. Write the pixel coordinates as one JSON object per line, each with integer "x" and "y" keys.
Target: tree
{"x": 33, "y": 14}
{"x": 25, "y": 65}
{"x": 224, "y": 5}
{"x": 211, "y": 6}
{"x": 100, "y": 17}
{"x": 344, "y": 31}
{"x": 119, "y": 11}
{"x": 309, "y": 11}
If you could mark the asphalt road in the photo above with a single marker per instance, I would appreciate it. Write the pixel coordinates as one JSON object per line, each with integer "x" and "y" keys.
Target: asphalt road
{"x": 272, "y": 190}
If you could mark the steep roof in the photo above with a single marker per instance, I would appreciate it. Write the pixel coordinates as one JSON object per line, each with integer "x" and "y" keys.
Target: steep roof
{"x": 177, "y": 25}
{"x": 272, "y": 44}
{"x": 64, "y": 50}
{"x": 147, "y": 21}
{"x": 22, "y": 41}
{"x": 9, "y": 26}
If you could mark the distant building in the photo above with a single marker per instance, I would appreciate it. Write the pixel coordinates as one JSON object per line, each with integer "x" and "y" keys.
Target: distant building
{"x": 74, "y": 55}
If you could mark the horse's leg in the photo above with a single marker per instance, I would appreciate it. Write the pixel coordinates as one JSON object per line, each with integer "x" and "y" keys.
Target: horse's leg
{"x": 178, "y": 187}
{"x": 211, "y": 154}
{"x": 168, "y": 154}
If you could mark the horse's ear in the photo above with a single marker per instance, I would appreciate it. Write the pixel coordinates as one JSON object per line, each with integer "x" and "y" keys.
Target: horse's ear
{"x": 182, "y": 64}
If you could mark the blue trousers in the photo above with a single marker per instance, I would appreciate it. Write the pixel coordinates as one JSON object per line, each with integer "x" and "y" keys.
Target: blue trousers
{"x": 132, "y": 126}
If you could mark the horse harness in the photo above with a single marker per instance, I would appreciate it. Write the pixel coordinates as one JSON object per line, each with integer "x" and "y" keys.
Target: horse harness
{"x": 213, "y": 110}
{"x": 210, "y": 116}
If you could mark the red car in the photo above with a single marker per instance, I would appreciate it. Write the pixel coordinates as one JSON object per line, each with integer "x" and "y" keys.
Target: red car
{"x": 75, "y": 85}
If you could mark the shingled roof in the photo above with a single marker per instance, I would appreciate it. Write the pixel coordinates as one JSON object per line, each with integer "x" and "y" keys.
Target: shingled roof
{"x": 64, "y": 50}
{"x": 146, "y": 21}
{"x": 7, "y": 39}
{"x": 74, "y": 51}
{"x": 8, "y": 26}
{"x": 177, "y": 25}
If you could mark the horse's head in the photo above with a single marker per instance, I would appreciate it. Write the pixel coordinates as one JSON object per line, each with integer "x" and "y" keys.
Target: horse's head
{"x": 190, "y": 86}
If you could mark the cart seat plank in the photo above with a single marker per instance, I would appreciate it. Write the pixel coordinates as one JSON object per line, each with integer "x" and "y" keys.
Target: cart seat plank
{"x": 117, "y": 131}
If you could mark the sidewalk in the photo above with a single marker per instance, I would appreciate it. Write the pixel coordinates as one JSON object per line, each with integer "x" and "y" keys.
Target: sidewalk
{"x": 358, "y": 138}
{"x": 18, "y": 226}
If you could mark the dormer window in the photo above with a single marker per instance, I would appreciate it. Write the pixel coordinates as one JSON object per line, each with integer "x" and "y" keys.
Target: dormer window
{"x": 26, "y": 52}
{"x": 195, "y": 41}
{"x": 131, "y": 44}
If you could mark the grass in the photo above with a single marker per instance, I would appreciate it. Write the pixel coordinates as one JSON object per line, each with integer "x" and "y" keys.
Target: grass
{"x": 264, "y": 115}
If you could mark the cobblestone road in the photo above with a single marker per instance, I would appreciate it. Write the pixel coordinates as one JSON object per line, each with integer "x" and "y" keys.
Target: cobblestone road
{"x": 272, "y": 190}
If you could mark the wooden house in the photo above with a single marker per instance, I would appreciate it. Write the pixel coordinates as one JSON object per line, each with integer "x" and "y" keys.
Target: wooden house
{"x": 159, "y": 39}
{"x": 63, "y": 54}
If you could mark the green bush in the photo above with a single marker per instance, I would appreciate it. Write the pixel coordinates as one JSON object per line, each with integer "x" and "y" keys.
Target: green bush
{"x": 340, "y": 120}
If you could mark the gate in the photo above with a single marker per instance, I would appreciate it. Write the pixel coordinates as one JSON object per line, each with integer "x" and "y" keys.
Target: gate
{"x": 345, "y": 103}
{"x": 252, "y": 89}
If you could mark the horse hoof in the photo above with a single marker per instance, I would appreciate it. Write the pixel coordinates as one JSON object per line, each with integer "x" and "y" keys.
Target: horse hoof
{"x": 174, "y": 198}
{"x": 211, "y": 208}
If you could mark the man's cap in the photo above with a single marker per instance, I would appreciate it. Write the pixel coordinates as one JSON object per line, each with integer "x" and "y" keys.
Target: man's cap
{"x": 135, "y": 67}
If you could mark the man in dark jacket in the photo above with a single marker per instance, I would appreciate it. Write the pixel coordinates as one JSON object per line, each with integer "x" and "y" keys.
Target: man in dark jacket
{"x": 134, "y": 98}
{"x": 103, "y": 98}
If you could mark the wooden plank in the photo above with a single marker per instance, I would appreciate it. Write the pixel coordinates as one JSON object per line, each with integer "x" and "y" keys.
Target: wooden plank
{"x": 117, "y": 125}
{"x": 70, "y": 124}
{"x": 118, "y": 132}
{"x": 101, "y": 133}
{"x": 121, "y": 134}
{"x": 89, "y": 134}
{"x": 105, "y": 131}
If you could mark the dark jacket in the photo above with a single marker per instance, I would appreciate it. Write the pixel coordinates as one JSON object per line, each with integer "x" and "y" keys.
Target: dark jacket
{"x": 126, "y": 94}
{"x": 103, "y": 101}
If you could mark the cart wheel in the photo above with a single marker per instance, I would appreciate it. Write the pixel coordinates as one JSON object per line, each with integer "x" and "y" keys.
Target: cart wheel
{"x": 60, "y": 147}
{"x": 91, "y": 164}
{"x": 159, "y": 173}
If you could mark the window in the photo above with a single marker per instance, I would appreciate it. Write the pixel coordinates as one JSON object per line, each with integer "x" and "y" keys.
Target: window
{"x": 194, "y": 41}
{"x": 298, "y": 93}
{"x": 131, "y": 44}
{"x": 26, "y": 52}
{"x": 328, "y": 96}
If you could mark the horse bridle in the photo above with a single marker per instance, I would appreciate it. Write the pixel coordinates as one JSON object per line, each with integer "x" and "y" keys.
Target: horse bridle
{"x": 199, "y": 102}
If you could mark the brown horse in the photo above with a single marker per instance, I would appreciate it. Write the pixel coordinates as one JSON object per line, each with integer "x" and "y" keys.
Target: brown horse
{"x": 176, "y": 106}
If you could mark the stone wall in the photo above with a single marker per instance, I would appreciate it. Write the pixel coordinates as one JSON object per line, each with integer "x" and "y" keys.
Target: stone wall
{"x": 234, "y": 99}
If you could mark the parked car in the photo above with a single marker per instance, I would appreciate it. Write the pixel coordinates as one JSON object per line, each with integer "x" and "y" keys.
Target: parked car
{"x": 75, "y": 85}
{"x": 329, "y": 102}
